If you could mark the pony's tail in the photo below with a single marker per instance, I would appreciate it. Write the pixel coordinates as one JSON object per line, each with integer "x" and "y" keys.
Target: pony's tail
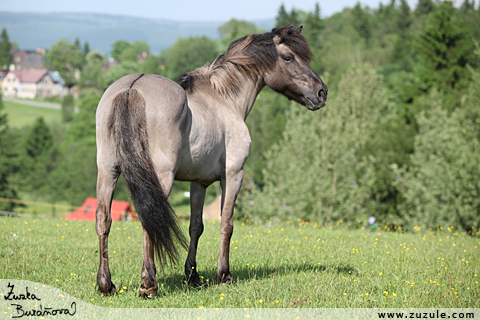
{"x": 127, "y": 124}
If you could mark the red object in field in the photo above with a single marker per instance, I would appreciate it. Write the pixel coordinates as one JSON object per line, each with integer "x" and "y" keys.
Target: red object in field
{"x": 121, "y": 211}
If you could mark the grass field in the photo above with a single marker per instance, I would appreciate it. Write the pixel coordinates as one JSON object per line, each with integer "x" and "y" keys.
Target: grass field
{"x": 20, "y": 115}
{"x": 284, "y": 265}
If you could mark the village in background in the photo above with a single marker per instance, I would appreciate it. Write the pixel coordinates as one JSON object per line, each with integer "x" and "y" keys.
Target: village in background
{"x": 28, "y": 78}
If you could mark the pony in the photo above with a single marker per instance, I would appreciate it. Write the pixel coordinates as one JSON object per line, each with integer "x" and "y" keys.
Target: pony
{"x": 154, "y": 131}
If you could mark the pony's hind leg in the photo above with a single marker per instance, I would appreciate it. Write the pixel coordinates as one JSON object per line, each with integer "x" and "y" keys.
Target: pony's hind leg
{"x": 197, "y": 198}
{"x": 106, "y": 182}
{"x": 149, "y": 285}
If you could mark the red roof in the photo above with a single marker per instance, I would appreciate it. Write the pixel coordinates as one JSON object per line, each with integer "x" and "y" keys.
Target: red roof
{"x": 32, "y": 76}
{"x": 121, "y": 210}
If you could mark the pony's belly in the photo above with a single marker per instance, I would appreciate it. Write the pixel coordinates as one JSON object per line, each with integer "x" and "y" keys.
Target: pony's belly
{"x": 205, "y": 169}
{"x": 198, "y": 174}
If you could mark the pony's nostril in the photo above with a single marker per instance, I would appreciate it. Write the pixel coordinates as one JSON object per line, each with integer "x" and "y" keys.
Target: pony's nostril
{"x": 322, "y": 93}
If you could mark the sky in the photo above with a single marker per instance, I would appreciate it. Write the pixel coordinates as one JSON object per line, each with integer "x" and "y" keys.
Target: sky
{"x": 187, "y": 10}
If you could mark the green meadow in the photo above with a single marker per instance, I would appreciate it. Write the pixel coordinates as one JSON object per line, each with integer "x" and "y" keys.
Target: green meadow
{"x": 287, "y": 265}
{"x": 21, "y": 115}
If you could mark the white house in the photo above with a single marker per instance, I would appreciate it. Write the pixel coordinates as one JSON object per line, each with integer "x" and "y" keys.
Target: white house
{"x": 32, "y": 84}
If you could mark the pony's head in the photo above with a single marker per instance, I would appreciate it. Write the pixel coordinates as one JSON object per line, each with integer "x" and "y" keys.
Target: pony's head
{"x": 279, "y": 58}
{"x": 292, "y": 75}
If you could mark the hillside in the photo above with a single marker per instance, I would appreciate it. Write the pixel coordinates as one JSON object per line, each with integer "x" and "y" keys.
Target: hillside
{"x": 41, "y": 30}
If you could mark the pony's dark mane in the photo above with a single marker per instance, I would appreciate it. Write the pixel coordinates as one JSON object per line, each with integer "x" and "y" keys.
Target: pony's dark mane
{"x": 251, "y": 55}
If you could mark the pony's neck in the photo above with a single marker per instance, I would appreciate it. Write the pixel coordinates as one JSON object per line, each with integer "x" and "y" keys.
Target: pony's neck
{"x": 248, "y": 91}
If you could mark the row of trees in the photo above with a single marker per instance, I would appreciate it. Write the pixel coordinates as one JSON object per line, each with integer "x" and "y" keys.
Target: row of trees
{"x": 398, "y": 139}
{"x": 354, "y": 160}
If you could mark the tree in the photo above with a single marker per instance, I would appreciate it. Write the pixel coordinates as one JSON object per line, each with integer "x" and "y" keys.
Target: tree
{"x": 468, "y": 6}
{"x": 3, "y": 122}
{"x": 314, "y": 26}
{"x": 77, "y": 43}
{"x": 126, "y": 51}
{"x": 128, "y": 54}
{"x": 140, "y": 47}
{"x": 401, "y": 53}
{"x": 404, "y": 19}
{"x": 92, "y": 73}
{"x": 82, "y": 127}
{"x": 118, "y": 48}
{"x": 5, "y": 47}
{"x": 361, "y": 23}
{"x": 235, "y": 29}
{"x": 95, "y": 57}
{"x": 66, "y": 58}
{"x": 154, "y": 64}
{"x": 266, "y": 123}
{"x": 6, "y": 148}
{"x": 86, "y": 50}
{"x": 442, "y": 187}
{"x": 37, "y": 158}
{"x": 74, "y": 178}
{"x": 67, "y": 108}
{"x": 39, "y": 139}
{"x": 284, "y": 18}
{"x": 315, "y": 172}
{"x": 444, "y": 49}
{"x": 387, "y": 11}
{"x": 122, "y": 69}
{"x": 424, "y": 7}
{"x": 188, "y": 54}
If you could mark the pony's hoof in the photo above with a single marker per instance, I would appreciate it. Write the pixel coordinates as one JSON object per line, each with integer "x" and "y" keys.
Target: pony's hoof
{"x": 194, "y": 280}
{"x": 107, "y": 289}
{"x": 147, "y": 292}
{"x": 227, "y": 279}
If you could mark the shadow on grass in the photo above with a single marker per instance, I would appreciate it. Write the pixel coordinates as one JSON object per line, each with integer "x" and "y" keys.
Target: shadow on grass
{"x": 248, "y": 273}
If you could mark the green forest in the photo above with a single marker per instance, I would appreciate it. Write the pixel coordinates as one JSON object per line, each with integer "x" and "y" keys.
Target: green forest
{"x": 399, "y": 139}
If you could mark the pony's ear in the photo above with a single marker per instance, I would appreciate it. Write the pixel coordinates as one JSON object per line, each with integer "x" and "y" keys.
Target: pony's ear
{"x": 285, "y": 33}
{"x": 299, "y": 29}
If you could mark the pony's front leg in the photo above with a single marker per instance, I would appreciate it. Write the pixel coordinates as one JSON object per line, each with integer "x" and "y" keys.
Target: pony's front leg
{"x": 230, "y": 188}
{"x": 197, "y": 198}
{"x": 149, "y": 285}
{"x": 105, "y": 186}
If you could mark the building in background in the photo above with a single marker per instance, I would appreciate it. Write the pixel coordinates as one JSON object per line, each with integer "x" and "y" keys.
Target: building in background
{"x": 32, "y": 84}
{"x": 27, "y": 59}
{"x": 60, "y": 88}
{"x": 120, "y": 211}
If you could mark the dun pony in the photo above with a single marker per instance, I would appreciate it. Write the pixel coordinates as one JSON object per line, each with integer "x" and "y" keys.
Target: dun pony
{"x": 154, "y": 131}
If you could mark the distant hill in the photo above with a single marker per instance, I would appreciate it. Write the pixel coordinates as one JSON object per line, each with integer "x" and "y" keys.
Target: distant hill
{"x": 41, "y": 30}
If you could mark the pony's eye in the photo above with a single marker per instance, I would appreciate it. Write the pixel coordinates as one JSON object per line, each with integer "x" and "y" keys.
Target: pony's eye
{"x": 288, "y": 58}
